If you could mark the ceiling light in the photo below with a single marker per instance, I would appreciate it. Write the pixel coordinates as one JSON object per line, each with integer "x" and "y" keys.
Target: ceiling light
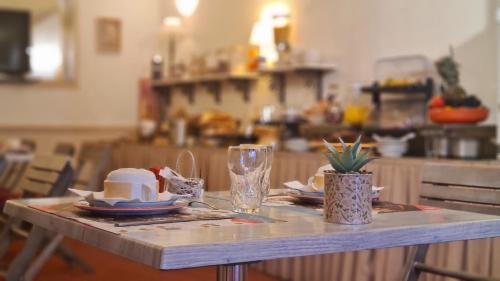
{"x": 186, "y": 7}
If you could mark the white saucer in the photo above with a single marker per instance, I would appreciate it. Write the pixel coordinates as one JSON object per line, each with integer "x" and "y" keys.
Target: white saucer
{"x": 131, "y": 204}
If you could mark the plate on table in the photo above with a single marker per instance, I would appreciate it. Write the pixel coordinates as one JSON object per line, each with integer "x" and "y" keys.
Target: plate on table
{"x": 115, "y": 211}
{"x": 318, "y": 197}
{"x": 308, "y": 198}
{"x": 131, "y": 204}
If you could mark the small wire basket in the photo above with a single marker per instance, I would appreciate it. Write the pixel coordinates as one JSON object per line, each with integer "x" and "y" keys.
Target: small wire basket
{"x": 192, "y": 185}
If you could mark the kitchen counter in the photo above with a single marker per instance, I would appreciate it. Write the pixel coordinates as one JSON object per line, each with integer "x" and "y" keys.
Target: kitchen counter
{"x": 287, "y": 166}
{"x": 401, "y": 178}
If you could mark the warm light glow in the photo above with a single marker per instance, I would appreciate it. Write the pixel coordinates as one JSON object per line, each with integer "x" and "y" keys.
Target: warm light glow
{"x": 172, "y": 22}
{"x": 45, "y": 60}
{"x": 262, "y": 36}
{"x": 275, "y": 14}
{"x": 186, "y": 7}
{"x": 270, "y": 11}
{"x": 281, "y": 20}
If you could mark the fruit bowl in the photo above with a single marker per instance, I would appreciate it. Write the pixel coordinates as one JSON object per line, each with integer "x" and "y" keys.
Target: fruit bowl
{"x": 458, "y": 115}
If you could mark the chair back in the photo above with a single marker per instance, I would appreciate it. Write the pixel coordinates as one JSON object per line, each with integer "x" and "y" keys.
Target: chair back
{"x": 64, "y": 148}
{"x": 28, "y": 144}
{"x": 3, "y": 164}
{"x": 47, "y": 175}
{"x": 462, "y": 186}
{"x": 15, "y": 165}
{"x": 94, "y": 161}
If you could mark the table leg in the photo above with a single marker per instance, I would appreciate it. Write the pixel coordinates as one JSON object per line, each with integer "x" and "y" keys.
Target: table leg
{"x": 22, "y": 261}
{"x": 232, "y": 272}
{"x": 417, "y": 255}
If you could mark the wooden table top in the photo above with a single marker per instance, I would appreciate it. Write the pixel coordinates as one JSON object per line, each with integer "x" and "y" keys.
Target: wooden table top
{"x": 302, "y": 233}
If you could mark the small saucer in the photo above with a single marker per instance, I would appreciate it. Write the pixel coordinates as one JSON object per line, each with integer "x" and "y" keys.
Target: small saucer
{"x": 131, "y": 204}
{"x": 308, "y": 199}
{"x": 114, "y": 211}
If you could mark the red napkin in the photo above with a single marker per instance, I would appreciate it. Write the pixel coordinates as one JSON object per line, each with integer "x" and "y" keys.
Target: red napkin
{"x": 161, "y": 180}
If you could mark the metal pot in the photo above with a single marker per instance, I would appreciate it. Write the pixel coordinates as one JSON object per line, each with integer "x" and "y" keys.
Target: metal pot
{"x": 440, "y": 147}
{"x": 465, "y": 148}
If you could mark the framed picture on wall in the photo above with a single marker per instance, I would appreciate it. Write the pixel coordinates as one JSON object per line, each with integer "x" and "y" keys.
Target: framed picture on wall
{"x": 108, "y": 35}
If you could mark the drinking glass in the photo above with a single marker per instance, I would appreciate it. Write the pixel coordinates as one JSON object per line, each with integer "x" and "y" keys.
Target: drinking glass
{"x": 266, "y": 181}
{"x": 246, "y": 168}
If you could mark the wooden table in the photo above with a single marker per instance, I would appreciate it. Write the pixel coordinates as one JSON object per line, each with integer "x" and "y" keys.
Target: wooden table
{"x": 303, "y": 233}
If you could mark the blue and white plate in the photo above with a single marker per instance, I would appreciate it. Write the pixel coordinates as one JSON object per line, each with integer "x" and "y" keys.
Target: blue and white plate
{"x": 143, "y": 211}
{"x": 131, "y": 204}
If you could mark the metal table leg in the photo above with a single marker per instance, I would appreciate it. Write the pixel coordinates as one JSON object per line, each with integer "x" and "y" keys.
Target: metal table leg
{"x": 232, "y": 272}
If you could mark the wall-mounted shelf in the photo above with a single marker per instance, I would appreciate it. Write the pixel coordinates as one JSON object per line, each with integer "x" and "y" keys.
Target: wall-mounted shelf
{"x": 314, "y": 74}
{"x": 212, "y": 82}
{"x": 427, "y": 89}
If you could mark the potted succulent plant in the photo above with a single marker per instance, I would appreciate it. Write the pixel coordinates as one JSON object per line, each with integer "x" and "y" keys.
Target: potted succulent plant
{"x": 347, "y": 188}
{"x": 455, "y": 105}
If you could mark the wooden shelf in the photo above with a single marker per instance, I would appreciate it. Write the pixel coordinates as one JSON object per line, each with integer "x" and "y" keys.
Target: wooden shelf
{"x": 312, "y": 67}
{"x": 314, "y": 74}
{"x": 212, "y": 82}
{"x": 242, "y": 81}
{"x": 376, "y": 90}
{"x": 203, "y": 79}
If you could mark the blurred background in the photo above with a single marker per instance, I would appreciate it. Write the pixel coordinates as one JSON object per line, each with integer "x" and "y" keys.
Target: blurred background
{"x": 113, "y": 84}
{"x": 79, "y": 70}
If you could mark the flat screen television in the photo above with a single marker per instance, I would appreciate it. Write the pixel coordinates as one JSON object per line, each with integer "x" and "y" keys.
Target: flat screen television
{"x": 14, "y": 42}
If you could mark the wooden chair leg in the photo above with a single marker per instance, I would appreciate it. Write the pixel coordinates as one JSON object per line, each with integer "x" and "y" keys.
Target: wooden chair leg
{"x": 42, "y": 258}
{"x": 72, "y": 259}
{"x": 417, "y": 255}
{"x": 7, "y": 235}
{"x": 452, "y": 274}
{"x": 19, "y": 265}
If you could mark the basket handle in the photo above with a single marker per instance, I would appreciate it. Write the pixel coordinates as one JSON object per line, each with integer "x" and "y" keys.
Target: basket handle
{"x": 193, "y": 163}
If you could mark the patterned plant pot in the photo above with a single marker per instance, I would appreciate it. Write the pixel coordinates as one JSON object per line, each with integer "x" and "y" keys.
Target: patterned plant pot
{"x": 348, "y": 198}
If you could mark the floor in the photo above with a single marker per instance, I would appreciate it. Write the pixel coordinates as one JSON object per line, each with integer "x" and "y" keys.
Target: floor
{"x": 110, "y": 267}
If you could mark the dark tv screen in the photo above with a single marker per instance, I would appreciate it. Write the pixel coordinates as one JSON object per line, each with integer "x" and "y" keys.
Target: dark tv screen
{"x": 14, "y": 41}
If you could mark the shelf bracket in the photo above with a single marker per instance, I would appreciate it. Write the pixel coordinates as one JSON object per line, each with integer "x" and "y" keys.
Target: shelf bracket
{"x": 188, "y": 90}
{"x": 214, "y": 88}
{"x": 278, "y": 83}
{"x": 243, "y": 86}
{"x": 314, "y": 80}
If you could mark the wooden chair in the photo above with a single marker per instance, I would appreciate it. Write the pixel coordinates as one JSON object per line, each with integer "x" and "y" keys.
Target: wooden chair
{"x": 64, "y": 148}
{"x": 465, "y": 187}
{"x": 15, "y": 165}
{"x": 28, "y": 145}
{"x": 3, "y": 164}
{"x": 93, "y": 163}
{"x": 47, "y": 176}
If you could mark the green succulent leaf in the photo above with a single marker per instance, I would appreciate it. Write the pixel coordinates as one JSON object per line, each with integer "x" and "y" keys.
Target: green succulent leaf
{"x": 336, "y": 164}
{"x": 347, "y": 159}
{"x": 352, "y": 159}
{"x": 330, "y": 148}
{"x": 361, "y": 164}
{"x": 344, "y": 146}
{"x": 356, "y": 147}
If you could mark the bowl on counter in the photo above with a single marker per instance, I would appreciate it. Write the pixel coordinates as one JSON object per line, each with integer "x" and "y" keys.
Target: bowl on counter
{"x": 391, "y": 146}
{"x": 296, "y": 145}
{"x": 394, "y": 149}
{"x": 459, "y": 115}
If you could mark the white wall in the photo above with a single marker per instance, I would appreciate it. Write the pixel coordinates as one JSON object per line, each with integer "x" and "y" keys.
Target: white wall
{"x": 354, "y": 33}
{"x": 107, "y": 88}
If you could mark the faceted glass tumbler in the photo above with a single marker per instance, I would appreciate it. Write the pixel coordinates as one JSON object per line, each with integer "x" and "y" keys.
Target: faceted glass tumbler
{"x": 247, "y": 166}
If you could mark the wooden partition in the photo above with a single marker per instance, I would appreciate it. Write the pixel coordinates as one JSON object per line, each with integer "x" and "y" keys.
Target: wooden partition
{"x": 402, "y": 181}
